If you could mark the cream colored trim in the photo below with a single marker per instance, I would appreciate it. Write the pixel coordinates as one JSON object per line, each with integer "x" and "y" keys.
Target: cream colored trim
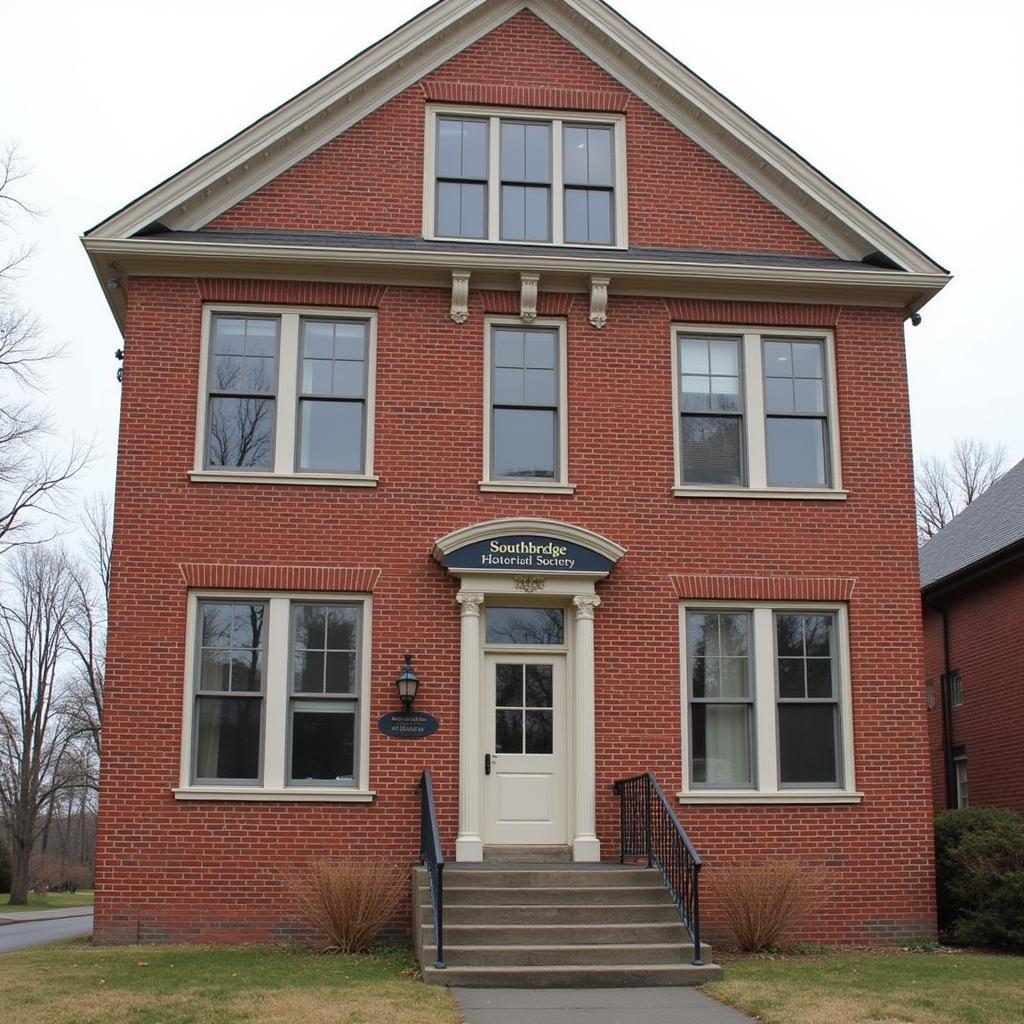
{"x": 511, "y": 487}
{"x": 754, "y": 433}
{"x": 460, "y": 296}
{"x": 528, "y": 284}
{"x": 512, "y": 526}
{"x": 599, "y": 301}
{"x": 274, "y": 769}
{"x": 286, "y": 398}
{"x": 559, "y": 326}
{"x": 291, "y": 795}
{"x": 557, "y": 119}
{"x": 767, "y": 788}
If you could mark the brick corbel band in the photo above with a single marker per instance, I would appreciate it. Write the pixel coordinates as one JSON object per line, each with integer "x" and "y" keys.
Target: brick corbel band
{"x": 760, "y": 314}
{"x": 548, "y": 303}
{"x": 763, "y": 588}
{"x": 605, "y": 101}
{"x": 314, "y": 578}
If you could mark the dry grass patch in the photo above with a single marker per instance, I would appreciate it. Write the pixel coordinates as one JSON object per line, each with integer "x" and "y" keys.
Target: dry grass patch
{"x": 918, "y": 988}
{"x": 75, "y": 983}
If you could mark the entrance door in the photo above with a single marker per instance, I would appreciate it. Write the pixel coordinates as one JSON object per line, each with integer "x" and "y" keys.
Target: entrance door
{"x": 524, "y": 732}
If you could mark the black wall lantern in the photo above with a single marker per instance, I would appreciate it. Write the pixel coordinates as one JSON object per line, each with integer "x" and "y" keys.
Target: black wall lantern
{"x": 407, "y": 684}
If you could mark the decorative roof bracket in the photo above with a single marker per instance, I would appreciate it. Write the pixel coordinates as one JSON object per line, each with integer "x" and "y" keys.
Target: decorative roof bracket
{"x": 528, "y": 296}
{"x": 460, "y": 296}
{"x": 599, "y": 301}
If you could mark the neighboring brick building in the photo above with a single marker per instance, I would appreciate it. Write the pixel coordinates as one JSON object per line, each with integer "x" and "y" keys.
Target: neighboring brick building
{"x": 513, "y": 345}
{"x": 972, "y": 586}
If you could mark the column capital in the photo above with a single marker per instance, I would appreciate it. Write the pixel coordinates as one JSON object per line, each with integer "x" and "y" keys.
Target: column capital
{"x": 470, "y": 602}
{"x": 585, "y": 606}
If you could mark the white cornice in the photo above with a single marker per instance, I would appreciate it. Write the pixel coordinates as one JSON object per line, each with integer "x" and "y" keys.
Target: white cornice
{"x": 263, "y": 151}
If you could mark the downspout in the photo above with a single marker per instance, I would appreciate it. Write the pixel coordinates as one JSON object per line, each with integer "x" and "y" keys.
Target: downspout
{"x": 947, "y": 714}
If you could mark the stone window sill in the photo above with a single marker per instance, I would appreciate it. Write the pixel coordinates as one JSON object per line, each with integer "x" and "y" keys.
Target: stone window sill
{"x": 786, "y": 796}
{"x": 785, "y": 493}
{"x": 532, "y": 487}
{"x": 209, "y": 476}
{"x": 290, "y": 795}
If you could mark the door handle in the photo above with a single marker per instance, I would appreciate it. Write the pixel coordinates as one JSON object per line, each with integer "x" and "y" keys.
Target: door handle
{"x": 487, "y": 764}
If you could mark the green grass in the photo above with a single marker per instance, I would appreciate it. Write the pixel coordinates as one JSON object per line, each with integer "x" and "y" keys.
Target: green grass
{"x": 901, "y": 988}
{"x": 51, "y": 901}
{"x": 77, "y": 983}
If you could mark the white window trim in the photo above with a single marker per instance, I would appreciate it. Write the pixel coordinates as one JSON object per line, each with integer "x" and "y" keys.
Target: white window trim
{"x": 287, "y": 397}
{"x": 560, "y": 485}
{"x": 556, "y": 118}
{"x": 754, "y": 430}
{"x": 766, "y": 789}
{"x": 274, "y": 767}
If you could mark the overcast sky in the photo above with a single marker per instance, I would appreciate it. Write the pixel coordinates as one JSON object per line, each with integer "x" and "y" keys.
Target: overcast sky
{"x": 915, "y": 108}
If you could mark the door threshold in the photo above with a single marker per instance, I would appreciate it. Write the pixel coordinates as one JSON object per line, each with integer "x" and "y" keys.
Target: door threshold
{"x": 518, "y": 854}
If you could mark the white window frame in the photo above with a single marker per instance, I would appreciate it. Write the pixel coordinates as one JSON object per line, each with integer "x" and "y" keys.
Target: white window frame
{"x": 962, "y": 795}
{"x": 754, "y": 437}
{"x": 557, "y": 119}
{"x": 560, "y": 485}
{"x": 274, "y": 768}
{"x": 287, "y": 397}
{"x": 767, "y": 788}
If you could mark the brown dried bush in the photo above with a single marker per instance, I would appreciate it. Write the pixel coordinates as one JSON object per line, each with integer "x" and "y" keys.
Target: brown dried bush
{"x": 350, "y": 902}
{"x": 762, "y": 901}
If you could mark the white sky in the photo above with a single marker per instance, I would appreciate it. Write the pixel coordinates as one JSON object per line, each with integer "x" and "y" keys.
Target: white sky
{"x": 913, "y": 106}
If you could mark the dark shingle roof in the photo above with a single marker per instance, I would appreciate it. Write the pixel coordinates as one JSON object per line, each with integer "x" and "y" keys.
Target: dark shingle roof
{"x": 990, "y": 524}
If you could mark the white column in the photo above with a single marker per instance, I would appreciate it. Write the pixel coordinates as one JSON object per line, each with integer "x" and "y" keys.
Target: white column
{"x": 585, "y": 844}
{"x": 469, "y": 844}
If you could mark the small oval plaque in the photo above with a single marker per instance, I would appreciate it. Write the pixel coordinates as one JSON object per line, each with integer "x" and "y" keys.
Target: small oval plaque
{"x": 408, "y": 725}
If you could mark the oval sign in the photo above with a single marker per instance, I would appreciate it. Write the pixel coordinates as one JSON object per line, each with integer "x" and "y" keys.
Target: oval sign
{"x": 408, "y": 725}
{"x": 528, "y": 554}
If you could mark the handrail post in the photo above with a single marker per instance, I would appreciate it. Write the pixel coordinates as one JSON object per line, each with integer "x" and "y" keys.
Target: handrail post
{"x": 698, "y": 960}
{"x": 439, "y": 920}
{"x": 432, "y": 858}
{"x": 647, "y": 830}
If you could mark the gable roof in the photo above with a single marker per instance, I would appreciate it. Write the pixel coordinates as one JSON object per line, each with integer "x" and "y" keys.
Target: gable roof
{"x": 259, "y": 153}
{"x": 990, "y": 525}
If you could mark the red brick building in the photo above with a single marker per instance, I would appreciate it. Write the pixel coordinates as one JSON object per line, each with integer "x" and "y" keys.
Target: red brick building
{"x": 972, "y": 586}
{"x": 513, "y": 345}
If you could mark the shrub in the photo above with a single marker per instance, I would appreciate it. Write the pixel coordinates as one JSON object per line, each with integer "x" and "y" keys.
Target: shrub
{"x": 350, "y": 902}
{"x": 762, "y": 901}
{"x": 979, "y": 853}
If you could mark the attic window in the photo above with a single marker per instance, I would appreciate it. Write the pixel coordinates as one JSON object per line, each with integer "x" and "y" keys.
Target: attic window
{"x": 525, "y": 178}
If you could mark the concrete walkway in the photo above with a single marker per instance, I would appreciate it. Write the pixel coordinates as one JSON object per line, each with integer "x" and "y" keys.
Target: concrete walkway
{"x": 593, "y": 1006}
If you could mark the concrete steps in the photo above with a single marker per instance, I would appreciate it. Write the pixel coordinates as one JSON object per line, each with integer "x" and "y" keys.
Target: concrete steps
{"x": 552, "y": 924}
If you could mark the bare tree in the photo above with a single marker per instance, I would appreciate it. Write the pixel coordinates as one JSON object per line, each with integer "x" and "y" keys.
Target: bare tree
{"x": 32, "y": 477}
{"x": 37, "y": 605}
{"x": 945, "y": 487}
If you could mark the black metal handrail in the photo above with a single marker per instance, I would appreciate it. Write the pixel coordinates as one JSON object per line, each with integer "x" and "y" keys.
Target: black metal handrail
{"x": 649, "y": 828}
{"x": 432, "y": 858}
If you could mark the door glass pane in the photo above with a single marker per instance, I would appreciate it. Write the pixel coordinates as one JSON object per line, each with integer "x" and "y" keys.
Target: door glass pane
{"x": 539, "y": 686}
{"x": 508, "y": 686}
{"x": 228, "y": 738}
{"x": 721, "y": 744}
{"x": 323, "y": 745}
{"x": 539, "y": 733}
{"x": 525, "y": 626}
{"x": 807, "y": 744}
{"x": 508, "y": 732}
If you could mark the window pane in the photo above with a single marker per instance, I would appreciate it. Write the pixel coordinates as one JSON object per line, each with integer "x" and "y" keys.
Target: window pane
{"x": 509, "y": 386}
{"x": 721, "y": 744}
{"x": 789, "y": 632}
{"x": 809, "y": 395}
{"x": 241, "y": 433}
{"x": 309, "y": 671}
{"x": 350, "y": 341}
{"x": 323, "y": 745}
{"x": 525, "y": 626}
{"x": 539, "y": 686}
{"x": 807, "y": 359}
{"x": 540, "y": 387}
{"x": 796, "y": 452}
{"x": 331, "y": 436}
{"x": 734, "y": 634}
{"x": 539, "y": 733}
{"x": 725, "y": 356}
{"x": 259, "y": 374}
{"x": 778, "y": 394}
{"x": 461, "y": 209}
{"x": 508, "y": 683}
{"x": 508, "y": 732}
{"x": 696, "y": 393}
{"x": 540, "y": 350}
{"x": 461, "y": 149}
{"x": 525, "y": 152}
{"x": 574, "y": 155}
{"x": 318, "y": 339}
{"x": 818, "y": 635}
{"x": 588, "y": 155}
{"x": 576, "y": 229}
{"x": 791, "y": 678}
{"x": 215, "y": 672}
{"x": 349, "y": 378}
{"x": 693, "y": 356}
{"x": 508, "y": 348}
{"x": 216, "y": 621}
{"x": 725, "y": 394}
{"x": 229, "y": 335}
{"x": 702, "y": 634}
{"x": 778, "y": 361}
{"x": 317, "y": 376}
{"x": 819, "y": 678}
{"x": 599, "y": 217}
{"x": 734, "y": 681}
{"x": 524, "y": 443}
{"x": 524, "y": 213}
{"x": 712, "y": 450}
{"x": 807, "y": 743}
{"x": 538, "y": 152}
{"x": 340, "y": 673}
{"x": 228, "y": 738}
{"x": 342, "y": 627}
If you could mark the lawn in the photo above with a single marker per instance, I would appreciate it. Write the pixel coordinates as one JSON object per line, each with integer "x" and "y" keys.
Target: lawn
{"x": 51, "y": 901}
{"x": 76, "y": 983}
{"x": 903, "y": 988}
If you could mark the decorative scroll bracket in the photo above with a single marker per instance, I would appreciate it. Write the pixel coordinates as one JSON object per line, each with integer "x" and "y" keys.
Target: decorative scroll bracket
{"x": 599, "y": 301}
{"x": 528, "y": 296}
{"x": 460, "y": 296}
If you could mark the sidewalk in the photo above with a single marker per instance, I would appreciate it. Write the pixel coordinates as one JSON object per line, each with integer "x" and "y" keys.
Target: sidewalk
{"x": 593, "y": 1006}
{"x": 44, "y": 915}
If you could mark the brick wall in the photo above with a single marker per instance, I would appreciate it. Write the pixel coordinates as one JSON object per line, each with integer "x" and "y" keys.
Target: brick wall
{"x": 986, "y": 644}
{"x": 212, "y": 871}
{"x": 370, "y": 179}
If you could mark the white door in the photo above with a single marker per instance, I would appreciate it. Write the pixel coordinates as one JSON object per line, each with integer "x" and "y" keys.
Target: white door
{"x": 524, "y": 733}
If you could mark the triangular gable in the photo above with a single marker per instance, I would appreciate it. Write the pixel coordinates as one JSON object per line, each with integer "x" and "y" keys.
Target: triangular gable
{"x": 267, "y": 149}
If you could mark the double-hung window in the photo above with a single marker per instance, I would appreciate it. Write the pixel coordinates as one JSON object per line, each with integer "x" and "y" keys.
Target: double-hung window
{"x": 276, "y": 697}
{"x": 767, "y": 708}
{"x": 287, "y": 396}
{"x": 520, "y": 176}
{"x": 755, "y": 413}
{"x": 525, "y": 421}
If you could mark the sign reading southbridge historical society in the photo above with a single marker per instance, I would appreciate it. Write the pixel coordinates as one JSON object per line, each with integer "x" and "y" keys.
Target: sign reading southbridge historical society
{"x": 527, "y": 554}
